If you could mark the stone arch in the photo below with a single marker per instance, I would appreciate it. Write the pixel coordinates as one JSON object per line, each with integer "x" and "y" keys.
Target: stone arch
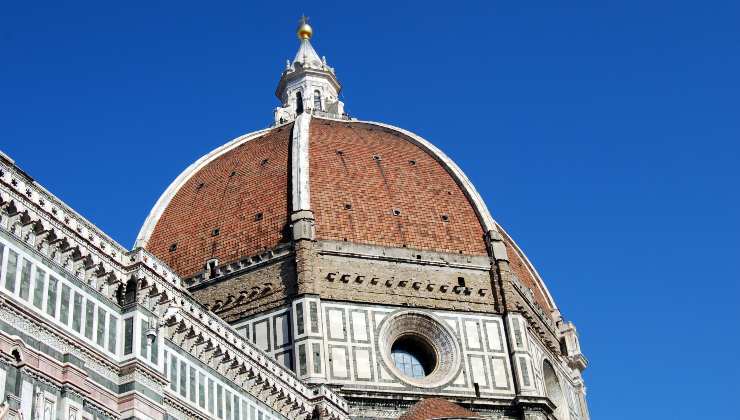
{"x": 298, "y": 102}
{"x": 17, "y": 356}
{"x": 554, "y": 390}
{"x": 130, "y": 291}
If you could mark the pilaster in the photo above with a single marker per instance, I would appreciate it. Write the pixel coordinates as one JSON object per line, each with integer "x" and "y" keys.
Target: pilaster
{"x": 516, "y": 326}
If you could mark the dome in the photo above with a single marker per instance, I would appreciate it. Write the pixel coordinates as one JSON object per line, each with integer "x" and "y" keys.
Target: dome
{"x": 357, "y": 254}
{"x": 437, "y": 408}
{"x": 319, "y": 174}
{"x": 367, "y": 183}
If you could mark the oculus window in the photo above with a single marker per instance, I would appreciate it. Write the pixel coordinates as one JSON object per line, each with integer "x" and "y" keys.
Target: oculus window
{"x": 413, "y": 356}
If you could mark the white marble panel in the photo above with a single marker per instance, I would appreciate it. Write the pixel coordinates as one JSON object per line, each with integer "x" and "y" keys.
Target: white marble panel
{"x": 359, "y": 326}
{"x": 499, "y": 373}
{"x": 282, "y": 330}
{"x": 472, "y": 334}
{"x": 26, "y": 398}
{"x": 261, "y": 335}
{"x": 493, "y": 331}
{"x": 3, "y": 374}
{"x": 339, "y": 362}
{"x": 362, "y": 357}
{"x": 478, "y": 369}
{"x": 336, "y": 324}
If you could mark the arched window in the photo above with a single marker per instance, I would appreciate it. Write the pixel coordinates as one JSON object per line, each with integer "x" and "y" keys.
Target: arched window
{"x": 130, "y": 294}
{"x": 554, "y": 390}
{"x": 317, "y": 101}
{"x": 298, "y": 103}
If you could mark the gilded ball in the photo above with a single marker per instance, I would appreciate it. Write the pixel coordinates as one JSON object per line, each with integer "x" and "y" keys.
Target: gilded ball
{"x": 304, "y": 31}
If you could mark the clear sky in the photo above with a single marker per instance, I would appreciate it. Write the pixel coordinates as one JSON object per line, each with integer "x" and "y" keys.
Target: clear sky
{"x": 602, "y": 134}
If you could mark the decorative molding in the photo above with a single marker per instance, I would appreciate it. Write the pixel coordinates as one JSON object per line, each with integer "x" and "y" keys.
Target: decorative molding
{"x": 421, "y": 287}
{"x": 236, "y": 268}
{"x": 98, "y": 364}
{"x": 436, "y": 333}
{"x": 528, "y": 295}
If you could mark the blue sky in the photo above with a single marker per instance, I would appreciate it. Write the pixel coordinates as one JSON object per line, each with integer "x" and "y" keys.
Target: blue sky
{"x": 602, "y": 134}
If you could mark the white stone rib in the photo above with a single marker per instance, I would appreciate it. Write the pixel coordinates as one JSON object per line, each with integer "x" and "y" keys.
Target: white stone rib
{"x": 299, "y": 164}
{"x": 164, "y": 200}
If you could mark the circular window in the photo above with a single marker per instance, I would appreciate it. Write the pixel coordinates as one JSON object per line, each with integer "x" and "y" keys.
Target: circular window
{"x": 413, "y": 356}
{"x": 418, "y": 349}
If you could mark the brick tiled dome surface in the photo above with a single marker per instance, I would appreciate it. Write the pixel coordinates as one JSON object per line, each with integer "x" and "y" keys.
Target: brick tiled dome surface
{"x": 243, "y": 193}
{"x": 368, "y": 184}
{"x": 361, "y": 173}
{"x": 437, "y": 408}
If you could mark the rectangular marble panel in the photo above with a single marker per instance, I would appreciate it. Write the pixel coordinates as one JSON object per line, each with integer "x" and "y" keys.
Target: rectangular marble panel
{"x": 3, "y": 376}
{"x": 479, "y": 371}
{"x": 472, "y": 335}
{"x": 363, "y": 364}
{"x": 262, "y": 334}
{"x": 282, "y": 330}
{"x": 493, "y": 334}
{"x": 339, "y": 362}
{"x": 336, "y": 324}
{"x": 26, "y": 397}
{"x": 359, "y": 326}
{"x": 500, "y": 376}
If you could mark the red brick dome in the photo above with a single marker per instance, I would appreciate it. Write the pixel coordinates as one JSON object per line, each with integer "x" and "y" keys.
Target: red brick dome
{"x": 437, "y": 408}
{"x": 366, "y": 183}
{"x": 370, "y": 184}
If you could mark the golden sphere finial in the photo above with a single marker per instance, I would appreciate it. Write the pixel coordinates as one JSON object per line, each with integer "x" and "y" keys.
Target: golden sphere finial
{"x": 304, "y": 29}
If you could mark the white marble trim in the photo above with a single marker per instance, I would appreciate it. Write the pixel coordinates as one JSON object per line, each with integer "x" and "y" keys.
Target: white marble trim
{"x": 301, "y": 193}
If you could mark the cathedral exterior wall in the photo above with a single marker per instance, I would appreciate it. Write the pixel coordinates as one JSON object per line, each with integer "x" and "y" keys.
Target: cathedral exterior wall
{"x": 341, "y": 343}
{"x": 71, "y": 335}
{"x": 260, "y": 287}
{"x": 354, "y": 349}
{"x": 404, "y": 276}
